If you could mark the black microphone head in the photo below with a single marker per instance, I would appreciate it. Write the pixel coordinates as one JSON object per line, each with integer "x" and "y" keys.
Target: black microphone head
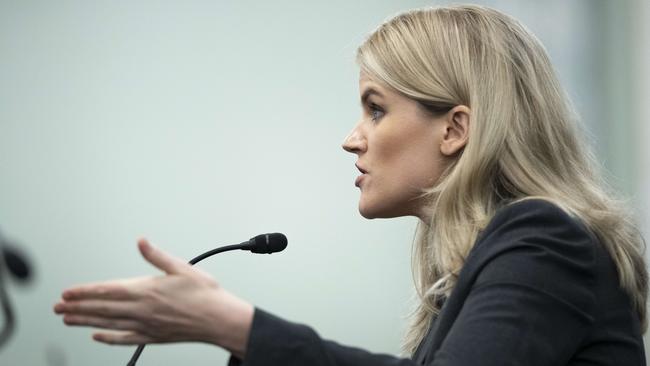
{"x": 268, "y": 243}
{"x": 16, "y": 263}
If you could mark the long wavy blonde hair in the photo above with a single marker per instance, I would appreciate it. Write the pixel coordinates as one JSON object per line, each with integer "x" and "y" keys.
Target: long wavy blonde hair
{"x": 525, "y": 142}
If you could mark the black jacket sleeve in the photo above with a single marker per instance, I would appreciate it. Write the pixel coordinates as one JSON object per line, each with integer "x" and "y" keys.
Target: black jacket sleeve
{"x": 524, "y": 297}
{"x": 275, "y": 341}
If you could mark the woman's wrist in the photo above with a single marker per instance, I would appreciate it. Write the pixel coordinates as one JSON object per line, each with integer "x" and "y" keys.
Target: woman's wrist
{"x": 233, "y": 324}
{"x": 239, "y": 337}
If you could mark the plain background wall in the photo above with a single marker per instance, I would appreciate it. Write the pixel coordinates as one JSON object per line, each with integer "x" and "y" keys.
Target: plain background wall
{"x": 203, "y": 123}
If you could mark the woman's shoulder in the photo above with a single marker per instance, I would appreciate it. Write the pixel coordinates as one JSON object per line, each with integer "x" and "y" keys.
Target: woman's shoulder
{"x": 534, "y": 243}
{"x": 532, "y": 208}
{"x": 535, "y": 217}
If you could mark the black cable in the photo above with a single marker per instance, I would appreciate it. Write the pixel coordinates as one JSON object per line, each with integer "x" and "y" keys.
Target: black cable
{"x": 7, "y": 311}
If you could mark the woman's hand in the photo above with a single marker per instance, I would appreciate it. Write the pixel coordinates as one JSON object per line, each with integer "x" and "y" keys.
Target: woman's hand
{"x": 185, "y": 304}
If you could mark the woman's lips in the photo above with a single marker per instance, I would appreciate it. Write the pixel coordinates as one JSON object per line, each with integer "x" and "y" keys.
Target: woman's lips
{"x": 359, "y": 179}
{"x": 364, "y": 172}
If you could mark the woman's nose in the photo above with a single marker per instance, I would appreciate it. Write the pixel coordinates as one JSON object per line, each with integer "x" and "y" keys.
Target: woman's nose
{"x": 354, "y": 142}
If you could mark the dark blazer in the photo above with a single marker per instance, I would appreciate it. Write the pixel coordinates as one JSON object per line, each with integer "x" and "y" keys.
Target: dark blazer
{"x": 537, "y": 288}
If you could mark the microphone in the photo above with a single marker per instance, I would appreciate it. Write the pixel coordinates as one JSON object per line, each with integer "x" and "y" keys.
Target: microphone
{"x": 18, "y": 267}
{"x": 260, "y": 244}
{"x": 16, "y": 263}
{"x": 267, "y": 243}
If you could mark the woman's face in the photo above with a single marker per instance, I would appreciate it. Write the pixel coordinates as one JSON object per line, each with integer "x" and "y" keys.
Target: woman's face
{"x": 401, "y": 149}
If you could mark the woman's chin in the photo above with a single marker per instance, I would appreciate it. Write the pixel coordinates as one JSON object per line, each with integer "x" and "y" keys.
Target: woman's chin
{"x": 385, "y": 211}
{"x": 367, "y": 211}
{"x": 367, "y": 215}
{"x": 374, "y": 212}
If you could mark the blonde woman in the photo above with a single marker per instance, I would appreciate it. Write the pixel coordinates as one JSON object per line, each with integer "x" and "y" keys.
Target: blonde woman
{"x": 522, "y": 255}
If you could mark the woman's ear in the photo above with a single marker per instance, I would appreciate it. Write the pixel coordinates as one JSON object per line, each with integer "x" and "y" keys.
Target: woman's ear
{"x": 456, "y": 133}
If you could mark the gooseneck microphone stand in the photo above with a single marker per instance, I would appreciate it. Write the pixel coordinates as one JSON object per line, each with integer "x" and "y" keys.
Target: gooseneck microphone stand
{"x": 7, "y": 312}
{"x": 265, "y": 243}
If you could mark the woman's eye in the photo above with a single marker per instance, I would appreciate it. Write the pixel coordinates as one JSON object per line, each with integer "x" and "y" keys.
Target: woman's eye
{"x": 375, "y": 112}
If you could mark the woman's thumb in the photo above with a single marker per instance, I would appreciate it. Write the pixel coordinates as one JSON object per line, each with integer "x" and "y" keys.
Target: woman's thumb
{"x": 160, "y": 259}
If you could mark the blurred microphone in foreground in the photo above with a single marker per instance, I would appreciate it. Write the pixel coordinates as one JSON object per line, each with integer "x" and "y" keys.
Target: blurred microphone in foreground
{"x": 13, "y": 264}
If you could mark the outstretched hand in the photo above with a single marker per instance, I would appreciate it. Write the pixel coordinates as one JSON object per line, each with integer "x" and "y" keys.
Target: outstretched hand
{"x": 183, "y": 305}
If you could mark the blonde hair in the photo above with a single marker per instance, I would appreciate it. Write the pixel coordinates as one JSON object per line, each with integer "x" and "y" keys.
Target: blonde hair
{"x": 525, "y": 142}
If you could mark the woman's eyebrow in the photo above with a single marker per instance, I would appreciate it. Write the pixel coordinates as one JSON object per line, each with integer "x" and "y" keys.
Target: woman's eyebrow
{"x": 367, "y": 93}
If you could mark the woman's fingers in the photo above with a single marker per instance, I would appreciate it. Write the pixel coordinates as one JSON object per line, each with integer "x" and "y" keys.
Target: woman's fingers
{"x": 104, "y": 308}
{"x": 124, "y": 338}
{"x": 169, "y": 308}
{"x": 101, "y": 322}
{"x": 163, "y": 261}
{"x": 109, "y": 290}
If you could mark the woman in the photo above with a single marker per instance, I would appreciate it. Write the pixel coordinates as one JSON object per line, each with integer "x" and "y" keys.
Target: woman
{"x": 522, "y": 256}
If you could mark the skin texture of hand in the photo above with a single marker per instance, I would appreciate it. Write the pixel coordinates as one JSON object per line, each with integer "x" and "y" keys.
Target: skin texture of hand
{"x": 183, "y": 305}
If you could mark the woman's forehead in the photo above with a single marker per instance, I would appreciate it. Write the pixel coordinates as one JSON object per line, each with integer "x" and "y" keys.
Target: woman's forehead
{"x": 366, "y": 82}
